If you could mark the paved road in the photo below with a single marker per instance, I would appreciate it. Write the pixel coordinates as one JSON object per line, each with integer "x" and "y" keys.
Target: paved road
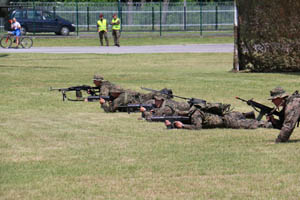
{"x": 194, "y": 48}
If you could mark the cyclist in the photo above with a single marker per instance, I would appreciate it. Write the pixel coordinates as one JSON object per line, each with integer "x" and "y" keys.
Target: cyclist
{"x": 16, "y": 27}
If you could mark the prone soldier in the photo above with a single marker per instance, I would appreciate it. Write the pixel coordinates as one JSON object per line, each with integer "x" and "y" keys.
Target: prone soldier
{"x": 125, "y": 97}
{"x": 164, "y": 106}
{"x": 104, "y": 86}
{"x": 207, "y": 117}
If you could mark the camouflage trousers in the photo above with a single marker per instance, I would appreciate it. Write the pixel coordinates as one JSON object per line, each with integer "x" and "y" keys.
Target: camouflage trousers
{"x": 237, "y": 120}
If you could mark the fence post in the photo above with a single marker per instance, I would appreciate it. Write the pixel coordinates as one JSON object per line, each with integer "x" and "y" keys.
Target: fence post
{"x": 34, "y": 19}
{"x": 160, "y": 18}
{"x": 152, "y": 18}
{"x": 120, "y": 13}
{"x": 88, "y": 18}
{"x": 184, "y": 15}
{"x": 54, "y": 11}
{"x": 77, "y": 18}
{"x": 217, "y": 16}
{"x": 201, "y": 28}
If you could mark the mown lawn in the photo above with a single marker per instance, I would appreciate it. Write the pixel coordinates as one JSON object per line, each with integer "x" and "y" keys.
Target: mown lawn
{"x": 94, "y": 41}
{"x": 50, "y": 149}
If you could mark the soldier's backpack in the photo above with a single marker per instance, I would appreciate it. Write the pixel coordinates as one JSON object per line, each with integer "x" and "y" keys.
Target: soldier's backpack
{"x": 214, "y": 108}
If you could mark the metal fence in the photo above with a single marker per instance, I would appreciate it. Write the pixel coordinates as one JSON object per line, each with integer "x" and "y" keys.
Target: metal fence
{"x": 145, "y": 17}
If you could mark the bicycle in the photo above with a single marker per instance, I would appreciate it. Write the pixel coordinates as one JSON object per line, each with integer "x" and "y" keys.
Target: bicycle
{"x": 7, "y": 41}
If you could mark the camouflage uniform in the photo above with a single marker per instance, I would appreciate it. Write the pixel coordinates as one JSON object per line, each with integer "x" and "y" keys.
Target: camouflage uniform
{"x": 169, "y": 107}
{"x": 209, "y": 118}
{"x": 131, "y": 97}
{"x": 127, "y": 97}
{"x": 105, "y": 86}
{"x": 290, "y": 113}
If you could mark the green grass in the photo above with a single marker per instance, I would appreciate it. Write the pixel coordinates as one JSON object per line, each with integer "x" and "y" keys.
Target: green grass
{"x": 94, "y": 41}
{"x": 51, "y": 149}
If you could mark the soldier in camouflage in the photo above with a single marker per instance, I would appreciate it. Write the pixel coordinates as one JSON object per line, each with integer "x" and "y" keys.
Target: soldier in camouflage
{"x": 104, "y": 86}
{"x": 290, "y": 112}
{"x": 125, "y": 97}
{"x": 165, "y": 107}
{"x": 216, "y": 115}
{"x": 111, "y": 106}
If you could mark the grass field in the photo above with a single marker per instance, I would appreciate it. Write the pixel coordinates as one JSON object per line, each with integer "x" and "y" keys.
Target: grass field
{"x": 51, "y": 149}
{"x": 94, "y": 41}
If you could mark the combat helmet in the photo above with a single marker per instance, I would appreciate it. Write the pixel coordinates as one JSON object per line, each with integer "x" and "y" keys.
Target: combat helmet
{"x": 278, "y": 92}
{"x": 98, "y": 77}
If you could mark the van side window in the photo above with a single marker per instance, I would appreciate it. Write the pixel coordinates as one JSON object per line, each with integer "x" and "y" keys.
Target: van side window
{"x": 38, "y": 15}
{"x": 30, "y": 14}
{"x": 47, "y": 16}
{"x": 35, "y": 15}
{"x": 18, "y": 14}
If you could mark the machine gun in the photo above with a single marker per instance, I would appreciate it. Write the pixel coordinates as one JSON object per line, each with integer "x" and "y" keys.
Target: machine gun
{"x": 262, "y": 109}
{"x": 172, "y": 119}
{"x": 135, "y": 107}
{"x": 90, "y": 90}
{"x": 170, "y": 94}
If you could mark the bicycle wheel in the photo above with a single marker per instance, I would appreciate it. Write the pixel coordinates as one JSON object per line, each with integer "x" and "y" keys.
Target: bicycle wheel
{"x": 5, "y": 42}
{"x": 26, "y": 43}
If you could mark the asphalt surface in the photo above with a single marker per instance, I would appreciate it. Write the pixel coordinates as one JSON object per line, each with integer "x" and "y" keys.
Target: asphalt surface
{"x": 193, "y": 48}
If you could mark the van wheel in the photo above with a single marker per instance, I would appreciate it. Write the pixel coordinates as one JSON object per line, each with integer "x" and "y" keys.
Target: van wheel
{"x": 64, "y": 31}
{"x": 23, "y": 30}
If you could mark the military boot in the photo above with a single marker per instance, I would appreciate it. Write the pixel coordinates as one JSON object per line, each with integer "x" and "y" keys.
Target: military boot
{"x": 249, "y": 115}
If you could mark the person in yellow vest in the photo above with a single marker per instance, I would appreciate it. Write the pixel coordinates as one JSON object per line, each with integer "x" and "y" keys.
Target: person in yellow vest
{"x": 116, "y": 25}
{"x": 102, "y": 27}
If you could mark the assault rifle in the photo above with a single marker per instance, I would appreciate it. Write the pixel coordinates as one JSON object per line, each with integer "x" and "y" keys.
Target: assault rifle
{"x": 170, "y": 94}
{"x": 262, "y": 109}
{"x": 90, "y": 90}
{"x": 135, "y": 107}
{"x": 172, "y": 119}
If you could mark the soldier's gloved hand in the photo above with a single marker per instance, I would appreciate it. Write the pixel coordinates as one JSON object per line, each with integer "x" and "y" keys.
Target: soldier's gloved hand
{"x": 102, "y": 101}
{"x": 178, "y": 124}
{"x": 142, "y": 109}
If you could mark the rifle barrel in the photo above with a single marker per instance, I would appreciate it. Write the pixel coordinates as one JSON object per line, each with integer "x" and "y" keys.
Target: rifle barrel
{"x": 241, "y": 99}
{"x": 148, "y": 89}
{"x": 59, "y": 89}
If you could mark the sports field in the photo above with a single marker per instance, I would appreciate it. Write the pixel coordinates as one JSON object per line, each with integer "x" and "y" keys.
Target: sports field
{"x": 50, "y": 149}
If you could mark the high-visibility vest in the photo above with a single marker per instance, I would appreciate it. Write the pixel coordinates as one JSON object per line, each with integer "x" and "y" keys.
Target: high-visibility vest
{"x": 102, "y": 25}
{"x": 117, "y": 26}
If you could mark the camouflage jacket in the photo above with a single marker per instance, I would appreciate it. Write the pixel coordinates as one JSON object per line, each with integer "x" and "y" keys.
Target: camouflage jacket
{"x": 168, "y": 108}
{"x": 127, "y": 97}
{"x": 106, "y": 87}
{"x": 201, "y": 119}
{"x": 291, "y": 111}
